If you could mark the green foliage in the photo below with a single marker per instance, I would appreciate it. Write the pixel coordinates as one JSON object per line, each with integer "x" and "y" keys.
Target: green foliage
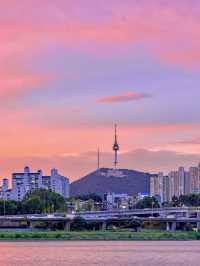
{"x": 90, "y": 196}
{"x": 38, "y": 201}
{"x": 190, "y": 200}
{"x": 33, "y": 205}
{"x": 79, "y": 224}
{"x": 147, "y": 202}
{"x": 175, "y": 201}
{"x": 100, "y": 235}
{"x": 135, "y": 225}
{"x": 93, "y": 225}
{"x": 42, "y": 201}
{"x": 88, "y": 205}
{"x": 11, "y": 207}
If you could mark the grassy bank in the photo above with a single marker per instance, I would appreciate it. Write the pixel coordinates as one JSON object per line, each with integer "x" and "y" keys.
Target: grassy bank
{"x": 99, "y": 235}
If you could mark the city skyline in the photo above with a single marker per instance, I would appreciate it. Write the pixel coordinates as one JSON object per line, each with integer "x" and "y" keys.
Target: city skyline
{"x": 69, "y": 71}
{"x": 176, "y": 183}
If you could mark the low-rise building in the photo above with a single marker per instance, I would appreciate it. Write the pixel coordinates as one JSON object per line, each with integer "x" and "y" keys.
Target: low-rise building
{"x": 117, "y": 200}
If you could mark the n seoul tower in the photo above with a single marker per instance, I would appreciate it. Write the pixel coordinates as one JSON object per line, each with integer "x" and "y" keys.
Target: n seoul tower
{"x": 116, "y": 148}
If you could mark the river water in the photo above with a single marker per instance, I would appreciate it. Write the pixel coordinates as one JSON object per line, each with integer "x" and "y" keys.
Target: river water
{"x": 100, "y": 253}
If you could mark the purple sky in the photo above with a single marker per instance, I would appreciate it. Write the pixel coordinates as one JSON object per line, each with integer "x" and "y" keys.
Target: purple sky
{"x": 70, "y": 69}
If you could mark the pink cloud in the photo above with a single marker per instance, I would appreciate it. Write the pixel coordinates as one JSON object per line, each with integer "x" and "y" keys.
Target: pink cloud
{"x": 145, "y": 24}
{"x": 130, "y": 96}
{"x": 18, "y": 82}
{"x": 14, "y": 84}
{"x": 195, "y": 141}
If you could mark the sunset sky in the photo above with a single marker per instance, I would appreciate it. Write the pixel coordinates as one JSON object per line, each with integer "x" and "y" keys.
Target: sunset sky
{"x": 71, "y": 69}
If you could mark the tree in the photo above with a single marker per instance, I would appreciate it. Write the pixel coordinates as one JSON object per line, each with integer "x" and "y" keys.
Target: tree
{"x": 43, "y": 201}
{"x": 190, "y": 200}
{"x": 33, "y": 205}
{"x": 147, "y": 202}
{"x": 11, "y": 207}
{"x": 88, "y": 205}
{"x": 79, "y": 224}
{"x": 135, "y": 225}
{"x": 175, "y": 201}
{"x": 90, "y": 196}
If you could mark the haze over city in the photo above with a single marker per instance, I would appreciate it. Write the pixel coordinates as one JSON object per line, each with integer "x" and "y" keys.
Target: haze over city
{"x": 69, "y": 70}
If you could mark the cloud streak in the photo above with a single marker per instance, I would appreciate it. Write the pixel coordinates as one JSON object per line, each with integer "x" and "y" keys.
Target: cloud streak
{"x": 140, "y": 159}
{"x": 127, "y": 97}
{"x": 195, "y": 141}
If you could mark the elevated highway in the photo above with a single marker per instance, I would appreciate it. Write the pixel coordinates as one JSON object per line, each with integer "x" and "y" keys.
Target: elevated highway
{"x": 169, "y": 216}
{"x": 162, "y": 212}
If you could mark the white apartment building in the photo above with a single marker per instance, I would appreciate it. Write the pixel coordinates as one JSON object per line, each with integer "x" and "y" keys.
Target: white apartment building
{"x": 154, "y": 186}
{"x": 5, "y": 192}
{"x": 29, "y": 181}
{"x": 159, "y": 186}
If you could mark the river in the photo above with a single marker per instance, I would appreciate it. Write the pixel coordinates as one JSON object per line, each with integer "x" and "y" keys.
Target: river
{"x": 100, "y": 253}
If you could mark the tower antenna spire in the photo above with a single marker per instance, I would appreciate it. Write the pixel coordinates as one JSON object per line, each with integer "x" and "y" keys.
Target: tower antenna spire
{"x": 115, "y": 148}
{"x": 98, "y": 158}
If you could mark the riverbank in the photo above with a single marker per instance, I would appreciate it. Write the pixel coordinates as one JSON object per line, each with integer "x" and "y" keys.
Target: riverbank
{"x": 100, "y": 235}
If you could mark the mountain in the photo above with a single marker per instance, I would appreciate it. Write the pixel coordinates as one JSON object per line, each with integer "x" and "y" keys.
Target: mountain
{"x": 110, "y": 180}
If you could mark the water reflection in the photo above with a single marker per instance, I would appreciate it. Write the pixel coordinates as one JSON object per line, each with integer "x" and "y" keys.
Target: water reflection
{"x": 99, "y": 253}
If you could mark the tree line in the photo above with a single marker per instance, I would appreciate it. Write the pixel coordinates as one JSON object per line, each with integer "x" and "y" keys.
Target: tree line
{"x": 38, "y": 201}
{"x": 44, "y": 201}
{"x": 190, "y": 200}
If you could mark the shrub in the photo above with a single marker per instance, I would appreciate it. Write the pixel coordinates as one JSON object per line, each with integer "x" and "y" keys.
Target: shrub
{"x": 79, "y": 224}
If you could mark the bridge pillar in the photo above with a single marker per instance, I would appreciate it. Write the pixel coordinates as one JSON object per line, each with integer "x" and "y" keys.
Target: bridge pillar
{"x": 198, "y": 226}
{"x": 67, "y": 226}
{"x": 167, "y": 227}
{"x": 198, "y": 223}
{"x": 186, "y": 214}
{"x": 104, "y": 226}
{"x": 31, "y": 226}
{"x": 173, "y": 228}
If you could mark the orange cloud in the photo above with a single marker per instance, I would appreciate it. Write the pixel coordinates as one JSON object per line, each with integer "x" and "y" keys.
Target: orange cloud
{"x": 13, "y": 84}
{"x": 138, "y": 159}
{"x": 130, "y": 96}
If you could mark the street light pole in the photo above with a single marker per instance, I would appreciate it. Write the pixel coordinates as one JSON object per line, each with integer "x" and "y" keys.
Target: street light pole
{"x": 152, "y": 208}
{"x": 4, "y": 205}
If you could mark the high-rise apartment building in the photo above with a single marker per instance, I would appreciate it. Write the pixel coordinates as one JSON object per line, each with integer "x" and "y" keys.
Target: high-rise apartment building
{"x": 28, "y": 181}
{"x": 160, "y": 186}
{"x": 177, "y": 183}
{"x": 194, "y": 179}
{"x": 166, "y": 189}
{"x": 187, "y": 183}
{"x": 174, "y": 184}
{"x": 181, "y": 180}
{"x": 154, "y": 186}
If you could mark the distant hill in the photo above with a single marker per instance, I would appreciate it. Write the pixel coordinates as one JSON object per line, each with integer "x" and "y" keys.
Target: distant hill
{"x": 110, "y": 180}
